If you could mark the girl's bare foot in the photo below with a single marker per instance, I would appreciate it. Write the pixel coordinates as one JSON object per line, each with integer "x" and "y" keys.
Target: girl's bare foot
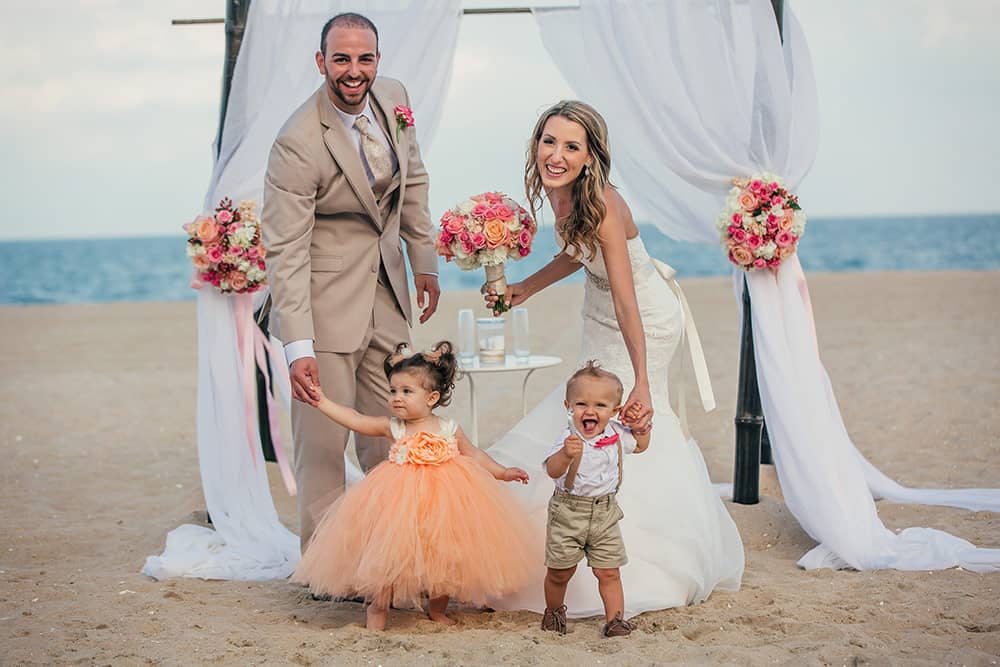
{"x": 436, "y": 608}
{"x": 376, "y": 617}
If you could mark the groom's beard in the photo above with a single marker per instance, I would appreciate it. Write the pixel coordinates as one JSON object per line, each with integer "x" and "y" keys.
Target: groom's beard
{"x": 350, "y": 97}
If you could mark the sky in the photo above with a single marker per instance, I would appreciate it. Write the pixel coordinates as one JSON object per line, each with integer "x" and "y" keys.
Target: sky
{"x": 109, "y": 112}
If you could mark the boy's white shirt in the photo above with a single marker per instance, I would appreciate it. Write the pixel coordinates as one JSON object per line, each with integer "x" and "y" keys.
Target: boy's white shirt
{"x": 598, "y": 471}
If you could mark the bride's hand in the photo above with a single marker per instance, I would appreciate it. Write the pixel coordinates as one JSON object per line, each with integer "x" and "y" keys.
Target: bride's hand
{"x": 516, "y": 294}
{"x": 638, "y": 409}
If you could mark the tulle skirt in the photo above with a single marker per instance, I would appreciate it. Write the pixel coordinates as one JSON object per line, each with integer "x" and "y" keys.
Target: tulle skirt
{"x": 448, "y": 529}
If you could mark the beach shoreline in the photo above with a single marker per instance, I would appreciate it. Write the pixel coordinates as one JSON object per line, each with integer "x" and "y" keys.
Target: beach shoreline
{"x": 98, "y": 422}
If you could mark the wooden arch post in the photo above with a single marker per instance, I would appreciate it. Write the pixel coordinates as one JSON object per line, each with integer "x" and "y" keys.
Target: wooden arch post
{"x": 753, "y": 447}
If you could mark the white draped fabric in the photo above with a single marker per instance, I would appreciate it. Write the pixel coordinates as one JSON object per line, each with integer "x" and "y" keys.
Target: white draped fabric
{"x": 695, "y": 94}
{"x": 274, "y": 74}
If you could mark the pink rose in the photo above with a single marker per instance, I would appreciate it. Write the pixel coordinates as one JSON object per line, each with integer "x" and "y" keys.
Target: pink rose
{"x": 481, "y": 211}
{"x": 493, "y": 197}
{"x": 524, "y": 238}
{"x": 445, "y": 237}
{"x": 225, "y": 217}
{"x": 740, "y": 255}
{"x": 404, "y": 116}
{"x": 774, "y": 263}
{"x": 784, "y": 238}
{"x": 754, "y": 241}
{"x": 260, "y": 265}
{"x": 207, "y": 230}
{"x": 756, "y": 187}
{"x": 233, "y": 228}
{"x": 759, "y": 263}
{"x": 738, "y": 234}
{"x": 748, "y": 201}
{"x": 252, "y": 252}
{"x": 777, "y": 201}
{"x": 463, "y": 237}
{"x": 468, "y": 248}
{"x": 523, "y": 252}
{"x": 503, "y": 212}
{"x": 444, "y": 248}
{"x": 479, "y": 240}
{"x": 455, "y": 225}
{"x": 214, "y": 254}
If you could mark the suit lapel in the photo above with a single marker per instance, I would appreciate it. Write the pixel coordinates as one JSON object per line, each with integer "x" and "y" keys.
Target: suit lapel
{"x": 341, "y": 147}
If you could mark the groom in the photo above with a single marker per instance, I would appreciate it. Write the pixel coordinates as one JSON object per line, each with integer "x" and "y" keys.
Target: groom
{"x": 344, "y": 183}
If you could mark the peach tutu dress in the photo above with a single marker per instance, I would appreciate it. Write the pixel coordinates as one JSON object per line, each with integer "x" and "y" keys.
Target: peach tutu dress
{"x": 427, "y": 521}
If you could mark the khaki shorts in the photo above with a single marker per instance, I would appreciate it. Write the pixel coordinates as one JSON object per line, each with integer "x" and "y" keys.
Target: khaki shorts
{"x": 578, "y": 525}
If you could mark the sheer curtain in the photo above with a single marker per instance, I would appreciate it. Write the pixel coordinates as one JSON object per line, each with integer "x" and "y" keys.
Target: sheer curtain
{"x": 697, "y": 92}
{"x": 274, "y": 74}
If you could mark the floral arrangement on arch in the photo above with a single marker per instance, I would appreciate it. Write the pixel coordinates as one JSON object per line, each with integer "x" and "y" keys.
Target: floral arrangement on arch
{"x": 485, "y": 231}
{"x": 761, "y": 223}
{"x": 226, "y": 248}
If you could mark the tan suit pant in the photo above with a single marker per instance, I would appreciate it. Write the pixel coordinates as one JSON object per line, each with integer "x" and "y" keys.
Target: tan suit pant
{"x": 356, "y": 379}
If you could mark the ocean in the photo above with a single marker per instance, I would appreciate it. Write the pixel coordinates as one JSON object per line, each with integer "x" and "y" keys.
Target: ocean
{"x": 156, "y": 268}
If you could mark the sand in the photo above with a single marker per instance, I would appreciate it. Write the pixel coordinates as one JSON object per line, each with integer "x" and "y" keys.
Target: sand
{"x": 97, "y": 426}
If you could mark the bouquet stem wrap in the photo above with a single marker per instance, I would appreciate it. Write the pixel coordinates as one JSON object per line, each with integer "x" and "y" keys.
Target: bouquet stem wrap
{"x": 496, "y": 279}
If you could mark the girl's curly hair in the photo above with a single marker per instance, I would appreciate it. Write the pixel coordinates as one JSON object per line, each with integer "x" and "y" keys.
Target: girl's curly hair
{"x": 438, "y": 365}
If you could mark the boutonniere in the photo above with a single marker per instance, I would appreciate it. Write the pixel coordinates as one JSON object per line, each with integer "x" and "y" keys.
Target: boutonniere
{"x": 404, "y": 119}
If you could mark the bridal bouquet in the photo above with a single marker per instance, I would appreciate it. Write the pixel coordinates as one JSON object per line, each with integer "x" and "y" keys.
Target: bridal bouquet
{"x": 761, "y": 223}
{"x": 486, "y": 230}
{"x": 226, "y": 248}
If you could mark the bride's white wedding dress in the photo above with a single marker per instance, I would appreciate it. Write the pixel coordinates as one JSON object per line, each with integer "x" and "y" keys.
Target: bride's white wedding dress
{"x": 681, "y": 542}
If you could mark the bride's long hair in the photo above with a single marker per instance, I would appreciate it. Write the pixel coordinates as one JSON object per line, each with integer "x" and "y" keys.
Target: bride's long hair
{"x": 579, "y": 228}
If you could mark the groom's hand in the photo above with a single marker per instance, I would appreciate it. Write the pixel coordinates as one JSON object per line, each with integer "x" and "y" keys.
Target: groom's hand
{"x": 426, "y": 283}
{"x": 304, "y": 375}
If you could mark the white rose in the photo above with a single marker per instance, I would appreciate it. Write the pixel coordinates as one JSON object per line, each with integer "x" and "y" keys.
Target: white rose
{"x": 767, "y": 250}
{"x": 798, "y": 223}
{"x": 465, "y": 208}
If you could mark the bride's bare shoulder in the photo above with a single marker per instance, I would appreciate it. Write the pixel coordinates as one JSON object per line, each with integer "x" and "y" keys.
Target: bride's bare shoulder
{"x": 618, "y": 213}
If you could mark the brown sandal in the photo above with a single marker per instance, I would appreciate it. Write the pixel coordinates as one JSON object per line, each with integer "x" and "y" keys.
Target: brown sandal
{"x": 617, "y": 627}
{"x": 554, "y": 620}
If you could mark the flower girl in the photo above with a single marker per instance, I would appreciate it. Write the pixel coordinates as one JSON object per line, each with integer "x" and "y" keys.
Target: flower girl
{"x": 429, "y": 520}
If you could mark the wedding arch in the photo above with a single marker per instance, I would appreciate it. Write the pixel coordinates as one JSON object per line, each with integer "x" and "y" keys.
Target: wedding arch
{"x": 695, "y": 94}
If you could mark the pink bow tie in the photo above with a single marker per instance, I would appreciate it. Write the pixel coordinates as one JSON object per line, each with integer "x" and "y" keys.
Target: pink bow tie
{"x": 607, "y": 440}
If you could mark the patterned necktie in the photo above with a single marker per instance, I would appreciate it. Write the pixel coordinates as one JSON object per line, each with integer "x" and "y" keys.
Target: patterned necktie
{"x": 376, "y": 154}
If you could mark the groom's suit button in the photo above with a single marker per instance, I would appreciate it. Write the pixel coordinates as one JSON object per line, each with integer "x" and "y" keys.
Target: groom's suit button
{"x": 374, "y": 268}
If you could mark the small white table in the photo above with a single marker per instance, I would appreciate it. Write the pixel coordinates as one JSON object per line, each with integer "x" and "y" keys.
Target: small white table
{"x": 511, "y": 363}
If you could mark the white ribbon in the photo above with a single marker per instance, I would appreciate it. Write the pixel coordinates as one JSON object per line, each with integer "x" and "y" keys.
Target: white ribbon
{"x": 690, "y": 332}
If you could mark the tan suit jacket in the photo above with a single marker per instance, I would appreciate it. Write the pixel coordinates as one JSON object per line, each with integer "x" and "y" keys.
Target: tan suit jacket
{"x": 325, "y": 231}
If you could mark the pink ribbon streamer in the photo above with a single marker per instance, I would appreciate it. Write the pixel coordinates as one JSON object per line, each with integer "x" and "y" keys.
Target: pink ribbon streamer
{"x": 253, "y": 347}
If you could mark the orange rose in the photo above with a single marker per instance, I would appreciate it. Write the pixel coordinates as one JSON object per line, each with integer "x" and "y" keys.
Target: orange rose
{"x": 207, "y": 230}
{"x": 425, "y": 448}
{"x": 238, "y": 280}
{"x": 201, "y": 262}
{"x": 741, "y": 255}
{"x": 748, "y": 201}
{"x": 787, "y": 219}
{"x": 496, "y": 233}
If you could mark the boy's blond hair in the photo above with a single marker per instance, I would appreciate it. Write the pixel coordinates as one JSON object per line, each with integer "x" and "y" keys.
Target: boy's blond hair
{"x": 593, "y": 369}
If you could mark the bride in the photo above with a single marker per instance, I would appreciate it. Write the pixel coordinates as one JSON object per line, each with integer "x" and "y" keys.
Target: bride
{"x": 681, "y": 542}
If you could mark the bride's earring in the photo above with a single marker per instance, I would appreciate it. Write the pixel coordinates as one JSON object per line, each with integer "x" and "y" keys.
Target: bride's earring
{"x": 586, "y": 169}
